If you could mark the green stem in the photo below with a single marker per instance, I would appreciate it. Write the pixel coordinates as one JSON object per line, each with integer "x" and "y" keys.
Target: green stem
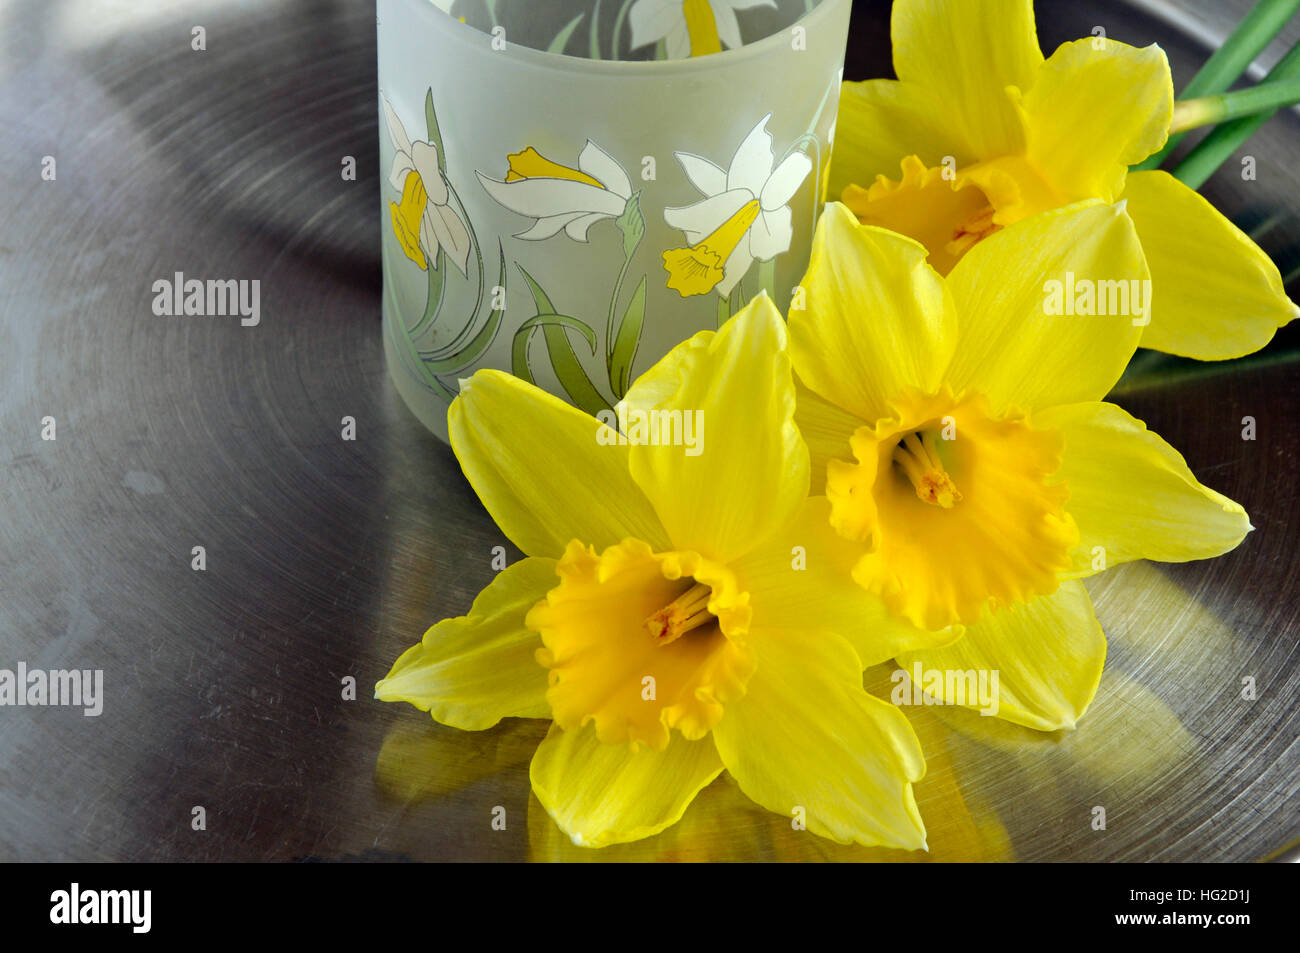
{"x": 613, "y": 304}
{"x": 618, "y": 27}
{"x": 1222, "y": 141}
{"x": 1230, "y": 60}
{"x": 724, "y": 311}
{"x": 492, "y": 12}
{"x": 466, "y": 332}
{"x": 1208, "y": 110}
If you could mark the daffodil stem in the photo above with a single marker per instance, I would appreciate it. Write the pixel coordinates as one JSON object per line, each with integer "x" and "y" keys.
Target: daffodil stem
{"x": 1230, "y": 60}
{"x": 1207, "y": 110}
{"x": 1222, "y": 141}
{"x": 618, "y": 28}
{"x": 613, "y": 305}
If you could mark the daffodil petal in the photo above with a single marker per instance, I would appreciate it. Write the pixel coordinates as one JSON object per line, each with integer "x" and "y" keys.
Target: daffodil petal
{"x": 771, "y": 234}
{"x": 425, "y": 158}
{"x": 552, "y": 225}
{"x": 402, "y": 167}
{"x": 600, "y": 165}
{"x": 651, "y": 20}
{"x": 537, "y": 465}
{"x": 881, "y": 122}
{"x": 542, "y": 198}
{"x": 784, "y": 181}
{"x": 878, "y": 318}
{"x": 752, "y": 163}
{"x": 801, "y": 578}
{"x": 700, "y": 218}
{"x": 1216, "y": 294}
{"x": 749, "y": 468}
{"x": 1048, "y": 654}
{"x": 474, "y": 670}
{"x": 966, "y": 55}
{"x": 601, "y": 794}
{"x": 826, "y": 429}
{"x": 807, "y": 742}
{"x": 1094, "y": 112}
{"x": 1013, "y": 347}
{"x": 396, "y": 131}
{"x": 1132, "y": 495}
{"x": 703, "y": 174}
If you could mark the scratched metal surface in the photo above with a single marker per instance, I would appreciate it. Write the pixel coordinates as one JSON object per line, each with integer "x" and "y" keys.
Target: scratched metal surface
{"x": 327, "y": 558}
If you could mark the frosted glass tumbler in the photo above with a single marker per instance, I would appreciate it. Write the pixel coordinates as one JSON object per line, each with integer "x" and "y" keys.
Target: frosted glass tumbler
{"x": 572, "y": 187}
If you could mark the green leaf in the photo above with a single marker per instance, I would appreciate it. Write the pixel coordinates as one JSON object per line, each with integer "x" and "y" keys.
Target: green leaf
{"x": 564, "y": 362}
{"x": 481, "y": 341}
{"x": 435, "y": 135}
{"x": 627, "y": 341}
{"x": 595, "y": 32}
{"x": 562, "y": 38}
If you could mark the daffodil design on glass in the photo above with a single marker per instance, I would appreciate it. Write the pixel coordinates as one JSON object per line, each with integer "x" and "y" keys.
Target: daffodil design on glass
{"x": 686, "y": 611}
{"x": 980, "y": 132}
{"x": 973, "y": 471}
{"x": 423, "y": 219}
{"x": 744, "y": 217}
{"x": 689, "y": 27}
{"x": 558, "y": 196}
{"x": 563, "y": 198}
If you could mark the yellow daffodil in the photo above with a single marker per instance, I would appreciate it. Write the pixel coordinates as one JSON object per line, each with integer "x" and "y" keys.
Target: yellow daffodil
{"x": 979, "y": 132}
{"x": 664, "y": 618}
{"x": 967, "y": 453}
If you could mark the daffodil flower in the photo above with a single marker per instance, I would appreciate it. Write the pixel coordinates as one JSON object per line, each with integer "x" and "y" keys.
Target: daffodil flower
{"x": 967, "y": 452}
{"x": 560, "y": 197}
{"x": 744, "y": 215}
{"x": 664, "y": 619}
{"x": 423, "y": 220}
{"x": 689, "y": 27}
{"x": 986, "y": 133}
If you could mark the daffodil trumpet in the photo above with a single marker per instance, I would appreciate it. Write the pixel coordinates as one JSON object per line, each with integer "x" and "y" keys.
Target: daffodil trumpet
{"x": 981, "y": 133}
{"x": 677, "y": 614}
{"x": 969, "y": 461}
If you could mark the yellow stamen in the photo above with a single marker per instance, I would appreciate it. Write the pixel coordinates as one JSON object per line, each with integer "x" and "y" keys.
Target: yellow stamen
{"x": 688, "y": 611}
{"x": 918, "y": 458}
{"x": 698, "y": 269}
{"x": 972, "y": 231}
{"x": 702, "y": 27}
{"x": 407, "y": 216}
{"x": 531, "y": 164}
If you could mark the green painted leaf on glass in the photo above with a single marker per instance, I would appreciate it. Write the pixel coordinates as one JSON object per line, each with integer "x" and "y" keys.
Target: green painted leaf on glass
{"x": 435, "y": 135}
{"x": 626, "y": 342}
{"x": 481, "y": 341}
{"x": 562, "y": 38}
{"x": 564, "y": 362}
{"x": 594, "y": 37}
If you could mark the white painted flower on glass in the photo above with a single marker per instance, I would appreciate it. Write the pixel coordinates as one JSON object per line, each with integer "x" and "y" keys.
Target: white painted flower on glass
{"x": 423, "y": 220}
{"x": 744, "y": 215}
{"x": 559, "y": 197}
{"x": 689, "y": 27}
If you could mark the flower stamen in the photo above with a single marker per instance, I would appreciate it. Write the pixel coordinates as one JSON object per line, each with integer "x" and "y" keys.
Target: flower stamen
{"x": 918, "y": 457}
{"x": 688, "y": 611}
